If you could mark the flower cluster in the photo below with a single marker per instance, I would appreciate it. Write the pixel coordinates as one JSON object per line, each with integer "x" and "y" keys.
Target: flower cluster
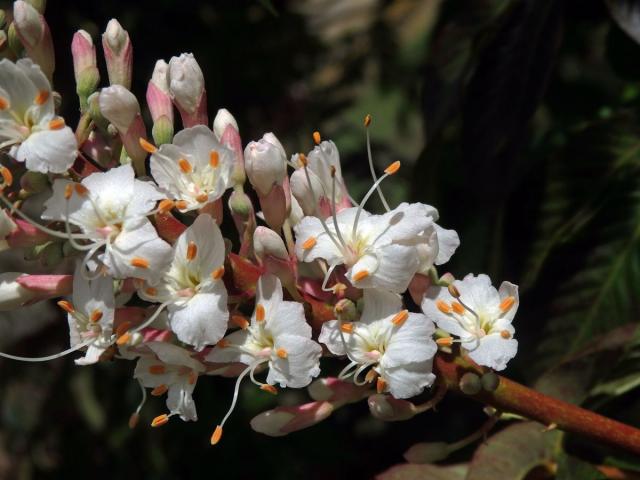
{"x": 131, "y": 229}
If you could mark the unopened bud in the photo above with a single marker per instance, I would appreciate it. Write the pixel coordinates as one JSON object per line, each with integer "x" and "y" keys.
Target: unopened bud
{"x": 186, "y": 85}
{"x": 427, "y": 452}
{"x": 3, "y": 39}
{"x": 35, "y": 36}
{"x": 118, "y": 53}
{"x": 308, "y": 198}
{"x": 7, "y": 225}
{"x": 39, "y": 5}
{"x": 223, "y": 120}
{"x": 447, "y": 278}
{"x": 158, "y": 96}
{"x": 470, "y": 383}
{"x": 162, "y": 131}
{"x": 12, "y": 294}
{"x": 267, "y": 242}
{"x": 119, "y": 106}
{"x": 389, "y": 409}
{"x": 13, "y": 40}
{"x": 346, "y": 310}
{"x": 336, "y": 391}
{"x": 265, "y": 163}
{"x": 84, "y": 66}
{"x": 490, "y": 381}
{"x": 283, "y": 420}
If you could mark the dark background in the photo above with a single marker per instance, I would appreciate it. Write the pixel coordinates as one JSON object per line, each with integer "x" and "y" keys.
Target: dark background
{"x": 516, "y": 119}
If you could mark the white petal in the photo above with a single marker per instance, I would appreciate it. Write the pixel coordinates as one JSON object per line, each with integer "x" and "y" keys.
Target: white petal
{"x": 508, "y": 289}
{"x": 477, "y": 291}
{"x": 230, "y": 355}
{"x": 447, "y": 322}
{"x": 206, "y": 235}
{"x": 448, "y": 242}
{"x": 269, "y": 295}
{"x": 288, "y": 319}
{"x": 494, "y": 351}
{"x": 180, "y": 401}
{"x": 411, "y": 342}
{"x": 49, "y": 150}
{"x": 175, "y": 355}
{"x": 16, "y": 85}
{"x": 324, "y": 247}
{"x": 91, "y": 356}
{"x": 409, "y": 380}
{"x": 396, "y": 266}
{"x": 330, "y": 336}
{"x": 403, "y": 224}
{"x": 379, "y": 304}
{"x": 301, "y": 365}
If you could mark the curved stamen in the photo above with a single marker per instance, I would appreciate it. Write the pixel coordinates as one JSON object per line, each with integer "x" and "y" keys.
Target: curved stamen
{"x": 49, "y": 357}
{"x": 390, "y": 170}
{"x": 346, "y": 371}
{"x": 371, "y": 168}
{"x": 361, "y": 369}
{"x": 333, "y": 205}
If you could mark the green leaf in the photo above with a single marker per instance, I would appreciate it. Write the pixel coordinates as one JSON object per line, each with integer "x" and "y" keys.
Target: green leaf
{"x": 514, "y": 452}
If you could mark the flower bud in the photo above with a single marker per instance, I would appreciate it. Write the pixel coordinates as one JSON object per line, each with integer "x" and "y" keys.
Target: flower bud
{"x": 470, "y": 384}
{"x": 490, "y": 381}
{"x": 118, "y": 53}
{"x": 308, "y": 198}
{"x": 226, "y": 129}
{"x": 427, "y": 452}
{"x": 186, "y": 85}
{"x": 3, "y": 40}
{"x": 265, "y": 163}
{"x": 283, "y": 420}
{"x": 346, "y": 310}
{"x": 12, "y": 294}
{"x": 7, "y": 225}
{"x": 39, "y": 5}
{"x": 84, "y": 66}
{"x": 25, "y": 235}
{"x": 336, "y": 391}
{"x": 35, "y": 36}
{"x": 13, "y": 40}
{"x": 159, "y": 102}
{"x": 267, "y": 242}
{"x": 389, "y": 409}
{"x": 223, "y": 120}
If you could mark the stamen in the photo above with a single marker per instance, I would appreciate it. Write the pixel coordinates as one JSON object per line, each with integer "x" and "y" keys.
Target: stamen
{"x": 302, "y": 159}
{"x": 316, "y": 137}
{"x": 147, "y": 146}
{"x": 41, "y": 97}
{"x": 218, "y": 273}
{"x": 7, "y": 176}
{"x": 157, "y": 369}
{"x": 444, "y": 307}
{"x": 507, "y": 303}
{"x": 165, "y": 205}
{"x": 56, "y": 124}
{"x": 347, "y": 327}
{"x": 214, "y": 159}
{"x": 445, "y": 342}
{"x": 66, "y": 306}
{"x": 367, "y": 120}
{"x": 222, "y": 343}
{"x": 370, "y": 376}
{"x": 123, "y": 328}
{"x": 505, "y": 334}
{"x": 181, "y": 204}
{"x": 282, "y": 353}
{"x": 193, "y": 378}
{"x": 192, "y": 251}
{"x": 269, "y": 388}
{"x": 393, "y": 168}
{"x": 80, "y": 346}
{"x": 139, "y": 262}
{"x": 390, "y": 170}
{"x": 309, "y": 243}
{"x": 361, "y": 275}
{"x": 4, "y": 103}
{"x": 80, "y": 189}
{"x": 185, "y": 166}
{"x": 260, "y": 312}
{"x": 367, "y": 123}
{"x": 96, "y": 316}
{"x": 203, "y": 197}
{"x": 159, "y": 390}
{"x": 151, "y": 291}
{"x": 217, "y": 435}
{"x": 459, "y": 309}
{"x": 240, "y": 321}
{"x": 381, "y": 385}
{"x": 68, "y": 191}
{"x": 160, "y": 420}
{"x": 453, "y": 290}
{"x": 400, "y": 317}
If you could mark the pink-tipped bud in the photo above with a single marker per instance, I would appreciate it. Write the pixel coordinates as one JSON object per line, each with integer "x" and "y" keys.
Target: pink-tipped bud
{"x": 84, "y": 66}
{"x": 223, "y": 120}
{"x": 389, "y": 409}
{"x": 160, "y": 105}
{"x": 33, "y": 31}
{"x": 18, "y": 289}
{"x": 336, "y": 391}
{"x": 24, "y": 235}
{"x": 283, "y": 420}
{"x": 266, "y": 242}
{"x": 12, "y": 294}
{"x": 186, "y": 85}
{"x": 265, "y": 163}
{"x": 225, "y": 128}
{"x": 118, "y": 53}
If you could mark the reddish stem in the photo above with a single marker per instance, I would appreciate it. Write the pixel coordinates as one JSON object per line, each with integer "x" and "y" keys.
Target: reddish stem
{"x": 513, "y": 397}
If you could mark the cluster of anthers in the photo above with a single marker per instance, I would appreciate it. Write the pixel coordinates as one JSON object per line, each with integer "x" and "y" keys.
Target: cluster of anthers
{"x": 129, "y": 232}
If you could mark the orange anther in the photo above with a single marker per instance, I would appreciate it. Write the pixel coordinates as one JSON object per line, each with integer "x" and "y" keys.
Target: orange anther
{"x": 381, "y": 385}
{"x": 282, "y": 353}
{"x": 240, "y": 321}
{"x": 214, "y": 159}
{"x": 160, "y": 420}
{"x": 367, "y": 120}
{"x": 218, "y": 273}
{"x": 458, "y": 308}
{"x": 370, "y": 376}
{"x": 147, "y": 146}
{"x": 444, "y": 307}
{"x": 302, "y": 160}
{"x": 66, "y": 306}
{"x": 41, "y": 97}
{"x": 393, "y": 168}
{"x": 222, "y": 343}
{"x": 332, "y": 170}
{"x": 123, "y": 339}
{"x": 217, "y": 435}
{"x": 309, "y": 243}
{"x": 361, "y": 275}
{"x": 181, "y": 204}
{"x": 68, "y": 191}
{"x": 192, "y": 251}
{"x": 316, "y": 137}
{"x": 193, "y": 378}
{"x": 80, "y": 189}
{"x": 4, "y": 103}
{"x": 139, "y": 262}
{"x": 505, "y": 334}
{"x": 151, "y": 291}
{"x": 507, "y": 303}
{"x": 185, "y": 166}
{"x": 123, "y": 328}
{"x": 157, "y": 369}
{"x": 269, "y": 388}
{"x": 159, "y": 390}
{"x": 203, "y": 197}
{"x": 7, "y": 176}
{"x": 445, "y": 342}
{"x": 96, "y": 316}
{"x": 260, "y": 312}
{"x": 400, "y": 317}
{"x": 56, "y": 123}
{"x": 346, "y": 327}
{"x": 453, "y": 290}
{"x": 165, "y": 205}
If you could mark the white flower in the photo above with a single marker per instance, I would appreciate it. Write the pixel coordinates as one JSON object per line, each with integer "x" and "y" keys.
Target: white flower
{"x": 192, "y": 285}
{"x": 480, "y": 316}
{"x": 379, "y": 251}
{"x": 395, "y": 344}
{"x": 195, "y": 169}
{"x": 438, "y": 246}
{"x": 172, "y": 370}
{"x": 28, "y": 121}
{"x": 278, "y": 335}
{"x": 266, "y": 163}
{"x": 91, "y": 315}
{"x": 111, "y": 208}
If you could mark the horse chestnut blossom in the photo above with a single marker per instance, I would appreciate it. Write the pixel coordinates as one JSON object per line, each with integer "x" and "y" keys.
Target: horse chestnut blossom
{"x": 145, "y": 274}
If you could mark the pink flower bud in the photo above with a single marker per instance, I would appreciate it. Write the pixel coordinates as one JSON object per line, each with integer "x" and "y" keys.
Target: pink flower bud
{"x": 226, "y": 129}
{"x": 84, "y": 66}
{"x": 266, "y": 242}
{"x": 12, "y": 294}
{"x": 118, "y": 53}
{"x": 18, "y": 289}
{"x": 34, "y": 34}
{"x": 389, "y": 409}
{"x": 283, "y": 420}
{"x": 223, "y": 120}
{"x": 160, "y": 105}
{"x": 265, "y": 163}
{"x": 186, "y": 85}
{"x": 336, "y": 391}
{"x": 25, "y": 235}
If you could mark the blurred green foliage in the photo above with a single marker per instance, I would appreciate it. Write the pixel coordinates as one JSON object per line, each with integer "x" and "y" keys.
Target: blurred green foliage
{"x": 518, "y": 119}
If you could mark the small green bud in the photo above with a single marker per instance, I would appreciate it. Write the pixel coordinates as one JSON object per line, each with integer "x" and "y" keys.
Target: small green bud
{"x": 3, "y": 39}
{"x": 86, "y": 84}
{"x": 240, "y": 204}
{"x": 162, "y": 130}
{"x": 346, "y": 310}
{"x": 470, "y": 384}
{"x": 34, "y": 182}
{"x": 51, "y": 255}
{"x": 490, "y": 381}
{"x": 39, "y": 5}
{"x": 14, "y": 41}
{"x": 3, "y": 18}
